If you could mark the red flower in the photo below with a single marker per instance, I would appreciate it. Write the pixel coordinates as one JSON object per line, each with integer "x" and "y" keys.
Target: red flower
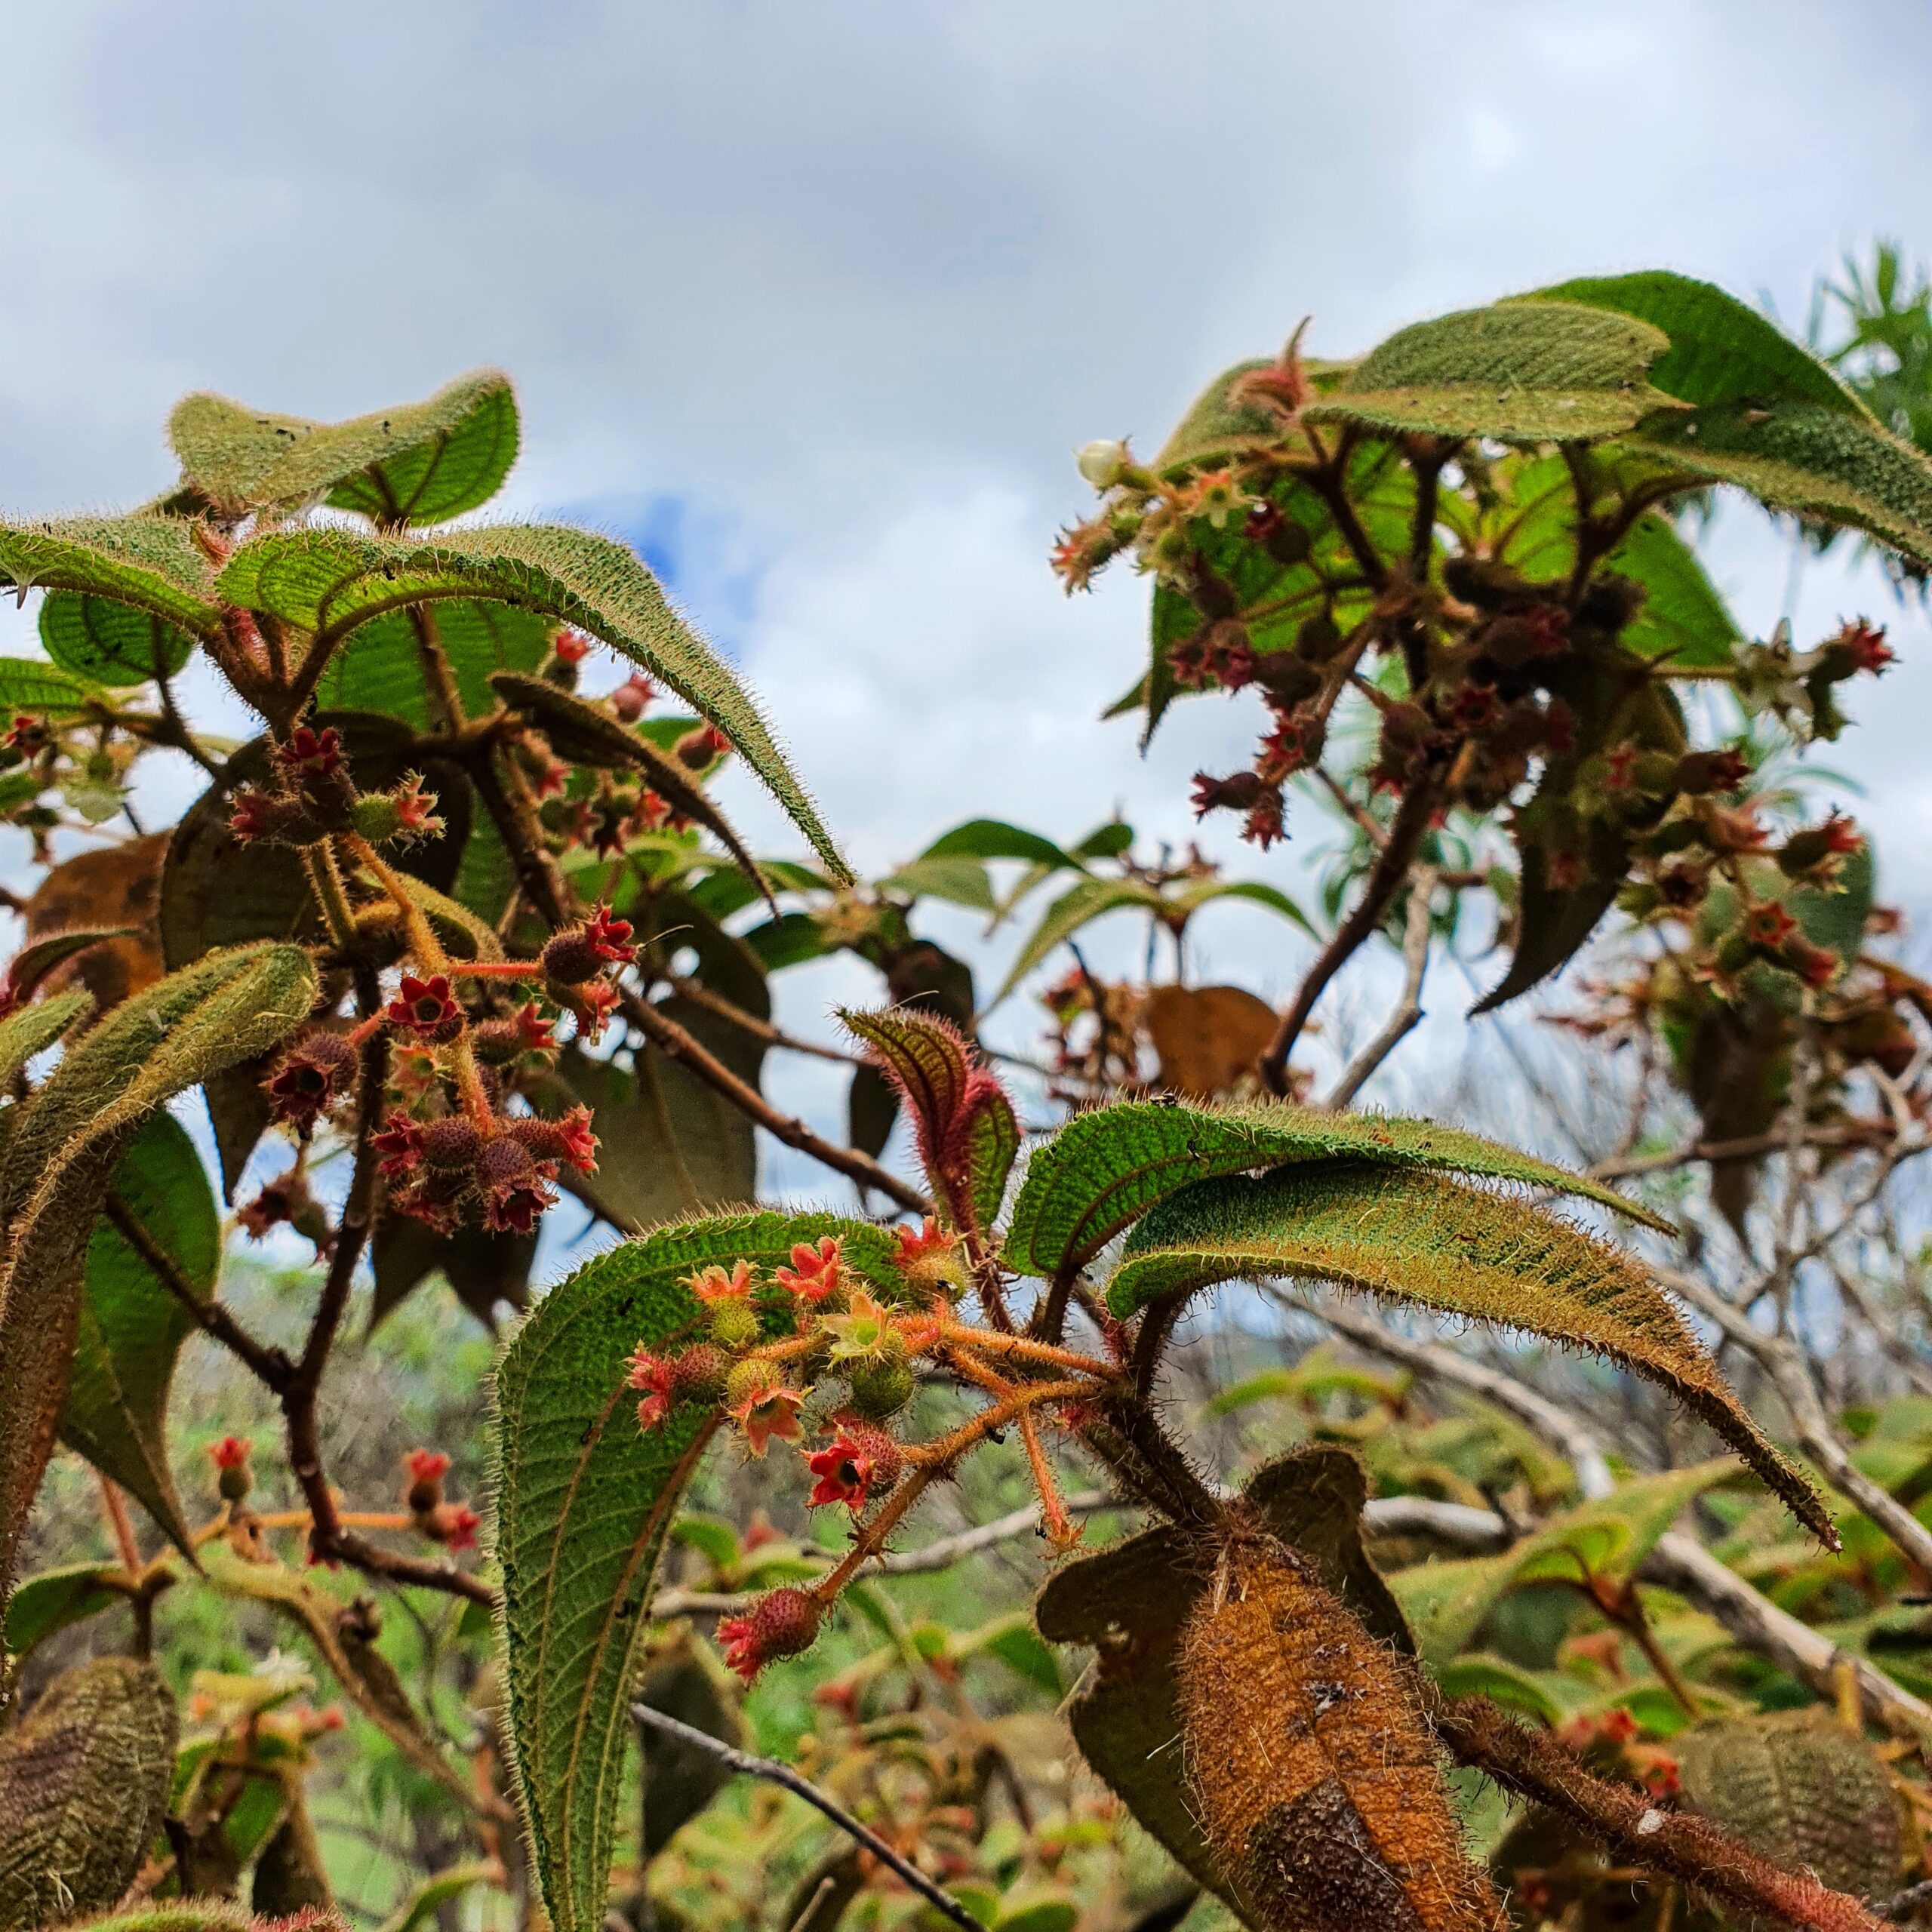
{"x": 1768, "y": 924}
{"x": 1240, "y": 792}
{"x": 398, "y": 1143}
{"x": 593, "y": 1005}
{"x": 27, "y": 734}
{"x": 251, "y": 815}
{"x": 1865, "y": 644}
{"x": 454, "y": 1525}
{"x": 929, "y": 1256}
{"x": 630, "y": 697}
{"x": 657, "y": 1376}
{"x": 515, "y": 1206}
{"x": 426, "y": 1464}
{"x": 763, "y": 1406}
{"x": 713, "y": 1286}
{"x": 859, "y": 1459}
{"x": 309, "y": 1077}
{"x": 425, "y": 1006}
{"x": 814, "y": 1274}
{"x": 415, "y": 808}
{"x": 568, "y": 1138}
{"x": 310, "y": 753}
{"x": 231, "y": 1452}
{"x": 781, "y": 1625}
{"x": 550, "y": 781}
{"x": 571, "y": 647}
{"x": 576, "y": 954}
{"x": 1263, "y": 825}
{"x": 1817, "y": 966}
{"x": 1549, "y": 630}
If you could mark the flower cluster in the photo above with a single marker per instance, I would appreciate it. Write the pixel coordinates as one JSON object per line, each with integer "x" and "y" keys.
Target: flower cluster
{"x": 501, "y": 1167}
{"x": 453, "y": 1524}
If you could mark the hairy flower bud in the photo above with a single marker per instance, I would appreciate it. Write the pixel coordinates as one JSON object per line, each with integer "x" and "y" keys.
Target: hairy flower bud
{"x": 781, "y": 1624}
{"x": 312, "y": 1074}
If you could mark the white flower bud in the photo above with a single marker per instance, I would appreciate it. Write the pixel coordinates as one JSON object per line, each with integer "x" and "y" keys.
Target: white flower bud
{"x": 1102, "y": 463}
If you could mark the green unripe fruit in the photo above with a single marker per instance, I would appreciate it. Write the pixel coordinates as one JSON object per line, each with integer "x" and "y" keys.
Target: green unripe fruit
{"x": 882, "y": 1388}
{"x": 735, "y": 1326}
{"x": 746, "y": 1382}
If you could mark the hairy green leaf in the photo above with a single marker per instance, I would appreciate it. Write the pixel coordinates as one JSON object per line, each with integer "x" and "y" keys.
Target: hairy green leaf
{"x": 152, "y": 562}
{"x": 994, "y": 838}
{"x": 1106, "y": 1168}
{"x": 1518, "y": 372}
{"x": 84, "y": 1783}
{"x": 1721, "y": 350}
{"x": 59, "y": 1157}
{"x": 1467, "y": 1250}
{"x": 1076, "y": 909}
{"x": 34, "y": 1028}
{"x": 953, "y": 877}
{"x": 55, "y": 1599}
{"x": 27, "y": 684}
{"x": 332, "y": 581}
{"x": 108, "y": 643}
{"x": 420, "y": 463}
{"x": 584, "y": 1498}
{"x": 381, "y": 668}
{"x": 1221, "y": 426}
{"x": 1130, "y": 1601}
{"x": 161, "y": 1220}
{"x": 1814, "y": 461}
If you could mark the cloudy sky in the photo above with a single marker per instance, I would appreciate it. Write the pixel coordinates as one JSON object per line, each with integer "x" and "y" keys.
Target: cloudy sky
{"x": 812, "y": 301}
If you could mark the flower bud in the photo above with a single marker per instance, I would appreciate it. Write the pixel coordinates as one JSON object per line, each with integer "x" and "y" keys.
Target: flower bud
{"x": 1102, "y": 462}
{"x": 781, "y": 1625}
{"x": 734, "y": 1326}
{"x": 880, "y": 1389}
{"x": 233, "y": 1477}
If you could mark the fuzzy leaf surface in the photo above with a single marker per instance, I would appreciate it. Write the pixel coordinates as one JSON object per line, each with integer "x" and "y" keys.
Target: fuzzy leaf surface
{"x": 418, "y": 464}
{"x": 1077, "y": 908}
{"x": 584, "y": 1500}
{"x": 108, "y": 643}
{"x": 59, "y": 1156}
{"x": 27, "y": 684}
{"x": 1129, "y": 1601}
{"x": 84, "y": 1781}
{"x": 1520, "y": 372}
{"x": 36, "y": 1028}
{"x": 131, "y": 1325}
{"x": 1813, "y": 460}
{"x": 384, "y": 671}
{"x": 1721, "y": 349}
{"x": 1444, "y": 1244}
{"x": 332, "y": 581}
{"x": 1106, "y": 1168}
{"x": 52, "y": 1599}
{"x": 151, "y": 562}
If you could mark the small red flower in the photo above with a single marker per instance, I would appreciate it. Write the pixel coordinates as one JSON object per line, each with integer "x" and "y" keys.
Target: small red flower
{"x": 814, "y": 1273}
{"x": 535, "y": 1031}
{"x": 310, "y": 753}
{"x": 1768, "y": 924}
{"x": 515, "y": 1206}
{"x": 781, "y": 1625}
{"x": 1240, "y": 792}
{"x": 398, "y": 1145}
{"x": 309, "y": 1077}
{"x": 1549, "y": 630}
{"x": 763, "y": 1406}
{"x": 27, "y": 734}
{"x": 425, "y": 1006}
{"x": 426, "y": 1464}
{"x": 593, "y": 1006}
{"x": 1865, "y": 644}
{"x": 713, "y": 1286}
{"x": 571, "y": 647}
{"x": 576, "y": 954}
{"x": 415, "y": 808}
{"x": 231, "y": 1452}
{"x": 550, "y": 781}
{"x": 251, "y": 815}
{"x": 454, "y": 1525}
{"x": 1817, "y": 966}
{"x": 568, "y": 1138}
{"x": 860, "y": 1459}
{"x": 1264, "y": 825}
{"x": 657, "y": 1376}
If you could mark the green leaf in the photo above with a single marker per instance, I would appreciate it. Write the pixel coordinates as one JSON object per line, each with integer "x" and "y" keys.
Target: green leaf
{"x": 1130, "y": 1601}
{"x": 1076, "y": 909}
{"x": 1013, "y": 1639}
{"x": 1683, "y": 617}
{"x": 1444, "y": 1244}
{"x": 1516, "y": 372}
{"x": 1721, "y": 350}
{"x": 34, "y": 1028}
{"x": 1808, "y": 458}
{"x": 1445, "y": 1603}
{"x": 420, "y": 463}
{"x": 27, "y": 684}
{"x": 955, "y": 878}
{"x": 132, "y": 1326}
{"x": 994, "y": 838}
{"x": 1220, "y": 426}
{"x": 59, "y": 1157}
{"x": 581, "y": 734}
{"x": 151, "y": 562}
{"x": 1611, "y": 1535}
{"x": 331, "y": 581}
{"x": 584, "y": 1498}
{"x": 1106, "y": 1168}
{"x": 483, "y": 1269}
{"x": 55, "y": 1599}
{"x": 381, "y": 667}
{"x": 1190, "y": 899}
{"x": 1505, "y": 1683}
{"x": 84, "y": 1783}
{"x": 108, "y": 643}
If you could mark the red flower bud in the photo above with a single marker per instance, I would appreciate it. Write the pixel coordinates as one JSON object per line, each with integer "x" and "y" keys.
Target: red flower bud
{"x": 312, "y": 1074}
{"x": 571, "y": 647}
{"x": 568, "y": 1138}
{"x": 630, "y": 698}
{"x": 399, "y": 1144}
{"x": 862, "y": 1459}
{"x": 781, "y": 1625}
{"x": 697, "y": 750}
{"x": 576, "y": 954}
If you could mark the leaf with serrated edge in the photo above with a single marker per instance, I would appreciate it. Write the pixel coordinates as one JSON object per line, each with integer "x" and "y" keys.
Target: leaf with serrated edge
{"x": 417, "y": 463}
{"x": 152, "y": 562}
{"x": 132, "y": 1326}
{"x": 330, "y": 581}
{"x": 59, "y": 1156}
{"x": 1106, "y": 1168}
{"x": 584, "y": 1498}
{"x": 34, "y": 1028}
{"x": 1468, "y": 1251}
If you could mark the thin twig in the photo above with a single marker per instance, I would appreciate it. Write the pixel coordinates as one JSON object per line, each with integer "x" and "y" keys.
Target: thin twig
{"x": 1407, "y": 1013}
{"x": 773, "y": 1772}
{"x": 699, "y": 993}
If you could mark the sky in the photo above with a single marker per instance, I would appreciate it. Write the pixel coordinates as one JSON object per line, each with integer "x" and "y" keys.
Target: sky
{"x": 815, "y": 302}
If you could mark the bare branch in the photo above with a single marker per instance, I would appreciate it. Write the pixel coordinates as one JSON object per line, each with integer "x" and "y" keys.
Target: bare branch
{"x": 1407, "y": 1013}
